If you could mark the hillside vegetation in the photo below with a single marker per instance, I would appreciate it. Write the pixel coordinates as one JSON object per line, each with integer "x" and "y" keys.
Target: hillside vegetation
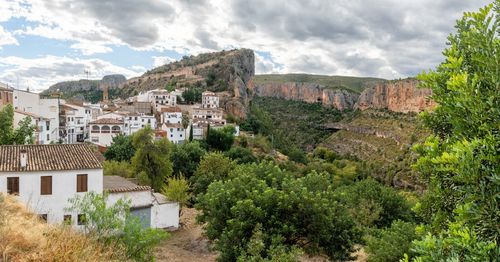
{"x": 24, "y": 237}
{"x": 353, "y": 84}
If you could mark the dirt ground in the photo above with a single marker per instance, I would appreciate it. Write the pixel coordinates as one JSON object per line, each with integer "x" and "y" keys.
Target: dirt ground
{"x": 189, "y": 244}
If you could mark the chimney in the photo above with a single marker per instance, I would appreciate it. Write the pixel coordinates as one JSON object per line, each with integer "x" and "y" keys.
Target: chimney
{"x": 23, "y": 158}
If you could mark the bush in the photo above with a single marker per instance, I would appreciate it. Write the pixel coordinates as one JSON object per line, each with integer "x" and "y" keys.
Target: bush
{"x": 213, "y": 166}
{"x": 115, "y": 168}
{"x": 390, "y": 244}
{"x": 241, "y": 155}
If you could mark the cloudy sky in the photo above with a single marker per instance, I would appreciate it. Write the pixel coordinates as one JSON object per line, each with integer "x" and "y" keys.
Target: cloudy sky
{"x": 46, "y": 41}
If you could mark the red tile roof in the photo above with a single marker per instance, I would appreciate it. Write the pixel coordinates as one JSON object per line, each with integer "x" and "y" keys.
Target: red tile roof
{"x": 106, "y": 121}
{"x": 171, "y": 109}
{"x": 49, "y": 158}
{"x": 118, "y": 184}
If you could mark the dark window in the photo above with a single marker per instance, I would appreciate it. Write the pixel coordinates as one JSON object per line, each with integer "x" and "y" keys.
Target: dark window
{"x": 67, "y": 219}
{"x": 81, "y": 183}
{"x": 43, "y": 217}
{"x": 81, "y": 219}
{"x": 13, "y": 185}
{"x": 46, "y": 185}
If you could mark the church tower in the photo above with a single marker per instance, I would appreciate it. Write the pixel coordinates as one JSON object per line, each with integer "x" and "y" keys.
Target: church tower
{"x": 105, "y": 94}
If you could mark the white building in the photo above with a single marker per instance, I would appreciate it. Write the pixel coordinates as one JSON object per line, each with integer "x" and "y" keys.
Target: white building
{"x": 152, "y": 209}
{"x": 45, "y": 177}
{"x": 135, "y": 122}
{"x": 25, "y": 101}
{"x": 175, "y": 132}
{"x": 213, "y": 114}
{"x": 75, "y": 126}
{"x": 42, "y": 126}
{"x": 103, "y": 130}
{"x": 160, "y": 98}
{"x": 171, "y": 115}
{"x": 209, "y": 100}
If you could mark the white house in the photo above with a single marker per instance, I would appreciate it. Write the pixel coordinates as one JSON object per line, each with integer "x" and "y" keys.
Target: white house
{"x": 175, "y": 132}
{"x": 75, "y": 120}
{"x": 171, "y": 115}
{"x": 42, "y": 126}
{"x": 133, "y": 122}
{"x": 45, "y": 177}
{"x": 209, "y": 100}
{"x": 160, "y": 98}
{"x": 103, "y": 130}
{"x": 209, "y": 113}
{"x": 152, "y": 209}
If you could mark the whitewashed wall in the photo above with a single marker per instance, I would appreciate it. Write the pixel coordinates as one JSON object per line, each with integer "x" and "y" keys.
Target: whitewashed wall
{"x": 63, "y": 188}
{"x": 137, "y": 198}
{"x": 165, "y": 215}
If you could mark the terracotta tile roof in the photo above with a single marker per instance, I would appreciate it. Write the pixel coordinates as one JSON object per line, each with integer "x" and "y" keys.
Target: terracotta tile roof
{"x": 49, "y": 158}
{"x": 106, "y": 121}
{"x": 171, "y": 109}
{"x": 173, "y": 125}
{"x": 118, "y": 184}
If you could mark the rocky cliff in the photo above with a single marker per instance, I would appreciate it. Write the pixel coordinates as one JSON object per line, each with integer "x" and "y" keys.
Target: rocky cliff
{"x": 398, "y": 96}
{"x": 307, "y": 92}
{"x": 226, "y": 71}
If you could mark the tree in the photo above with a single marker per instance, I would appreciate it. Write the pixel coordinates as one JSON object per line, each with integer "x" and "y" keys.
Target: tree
{"x": 390, "y": 244}
{"x": 24, "y": 134}
{"x": 6, "y": 124}
{"x": 177, "y": 189}
{"x": 152, "y": 157}
{"x": 186, "y": 157}
{"x": 191, "y": 133}
{"x": 121, "y": 149}
{"x": 185, "y": 121}
{"x": 213, "y": 166}
{"x": 461, "y": 161}
{"x": 220, "y": 139}
{"x": 113, "y": 225}
{"x": 115, "y": 168}
{"x": 241, "y": 155}
{"x": 288, "y": 213}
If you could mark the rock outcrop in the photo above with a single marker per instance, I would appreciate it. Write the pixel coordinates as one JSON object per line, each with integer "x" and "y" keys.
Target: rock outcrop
{"x": 398, "y": 96}
{"x": 307, "y": 92}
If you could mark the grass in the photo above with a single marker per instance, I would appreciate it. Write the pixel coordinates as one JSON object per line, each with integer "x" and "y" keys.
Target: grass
{"x": 24, "y": 237}
{"x": 353, "y": 84}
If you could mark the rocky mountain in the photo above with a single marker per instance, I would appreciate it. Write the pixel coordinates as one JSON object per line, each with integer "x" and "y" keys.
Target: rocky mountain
{"x": 398, "y": 96}
{"x": 227, "y": 71}
{"x": 83, "y": 89}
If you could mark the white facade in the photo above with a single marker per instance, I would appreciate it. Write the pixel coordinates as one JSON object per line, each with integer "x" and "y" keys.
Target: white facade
{"x": 76, "y": 122}
{"x": 161, "y": 98}
{"x": 173, "y": 116}
{"x": 42, "y": 126}
{"x": 102, "y": 131}
{"x": 135, "y": 122}
{"x": 208, "y": 113}
{"x": 209, "y": 100}
{"x": 63, "y": 188}
{"x": 175, "y": 132}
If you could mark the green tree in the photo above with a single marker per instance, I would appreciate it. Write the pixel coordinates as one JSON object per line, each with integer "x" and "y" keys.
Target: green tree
{"x": 116, "y": 168}
{"x": 113, "y": 225}
{"x": 461, "y": 161}
{"x": 220, "y": 139}
{"x": 186, "y": 157}
{"x": 390, "y": 244}
{"x": 24, "y": 134}
{"x": 213, "y": 166}
{"x": 287, "y": 211}
{"x": 241, "y": 155}
{"x": 6, "y": 124}
{"x": 152, "y": 157}
{"x": 177, "y": 189}
{"x": 185, "y": 121}
{"x": 191, "y": 133}
{"x": 121, "y": 149}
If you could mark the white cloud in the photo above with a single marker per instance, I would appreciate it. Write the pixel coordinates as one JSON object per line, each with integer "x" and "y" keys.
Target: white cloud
{"x": 40, "y": 73}
{"x": 384, "y": 38}
{"x": 162, "y": 60}
{"x": 6, "y": 38}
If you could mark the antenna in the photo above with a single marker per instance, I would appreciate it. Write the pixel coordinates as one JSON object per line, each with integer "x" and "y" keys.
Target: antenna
{"x": 87, "y": 72}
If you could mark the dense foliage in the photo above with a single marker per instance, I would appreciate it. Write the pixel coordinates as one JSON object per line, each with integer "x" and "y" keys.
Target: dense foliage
{"x": 186, "y": 158}
{"x": 390, "y": 244}
{"x": 114, "y": 226}
{"x": 121, "y": 149}
{"x": 24, "y": 134}
{"x": 213, "y": 166}
{"x": 220, "y": 139}
{"x": 461, "y": 161}
{"x": 285, "y": 211}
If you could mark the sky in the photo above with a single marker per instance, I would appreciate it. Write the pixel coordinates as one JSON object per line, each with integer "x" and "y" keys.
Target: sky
{"x": 43, "y": 42}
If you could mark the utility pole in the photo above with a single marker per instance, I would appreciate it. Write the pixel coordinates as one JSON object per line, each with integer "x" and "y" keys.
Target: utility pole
{"x": 87, "y": 72}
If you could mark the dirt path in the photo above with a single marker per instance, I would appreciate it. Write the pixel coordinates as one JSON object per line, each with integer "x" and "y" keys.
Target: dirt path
{"x": 187, "y": 243}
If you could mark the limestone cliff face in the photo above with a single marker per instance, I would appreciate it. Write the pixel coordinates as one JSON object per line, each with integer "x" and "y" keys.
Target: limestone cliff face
{"x": 307, "y": 92}
{"x": 398, "y": 96}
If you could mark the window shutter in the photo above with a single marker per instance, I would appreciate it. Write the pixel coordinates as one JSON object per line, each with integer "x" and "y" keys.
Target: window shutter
{"x": 81, "y": 183}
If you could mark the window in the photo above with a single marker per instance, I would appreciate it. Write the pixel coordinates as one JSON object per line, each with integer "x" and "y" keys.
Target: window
{"x": 81, "y": 183}
{"x": 43, "y": 217}
{"x": 81, "y": 219}
{"x": 67, "y": 219}
{"x": 48, "y": 137}
{"x": 46, "y": 185}
{"x": 13, "y": 185}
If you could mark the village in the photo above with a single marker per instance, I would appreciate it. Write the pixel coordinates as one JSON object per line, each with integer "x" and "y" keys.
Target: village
{"x": 62, "y": 164}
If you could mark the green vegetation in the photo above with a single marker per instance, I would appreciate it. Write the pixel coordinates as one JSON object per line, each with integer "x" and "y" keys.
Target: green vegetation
{"x": 121, "y": 149}
{"x": 353, "y": 84}
{"x": 177, "y": 189}
{"x": 118, "y": 168}
{"x": 460, "y": 161}
{"x": 192, "y": 95}
{"x": 24, "y": 134}
{"x": 290, "y": 125}
{"x": 213, "y": 166}
{"x": 390, "y": 244}
{"x": 186, "y": 158}
{"x": 220, "y": 139}
{"x": 103, "y": 222}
